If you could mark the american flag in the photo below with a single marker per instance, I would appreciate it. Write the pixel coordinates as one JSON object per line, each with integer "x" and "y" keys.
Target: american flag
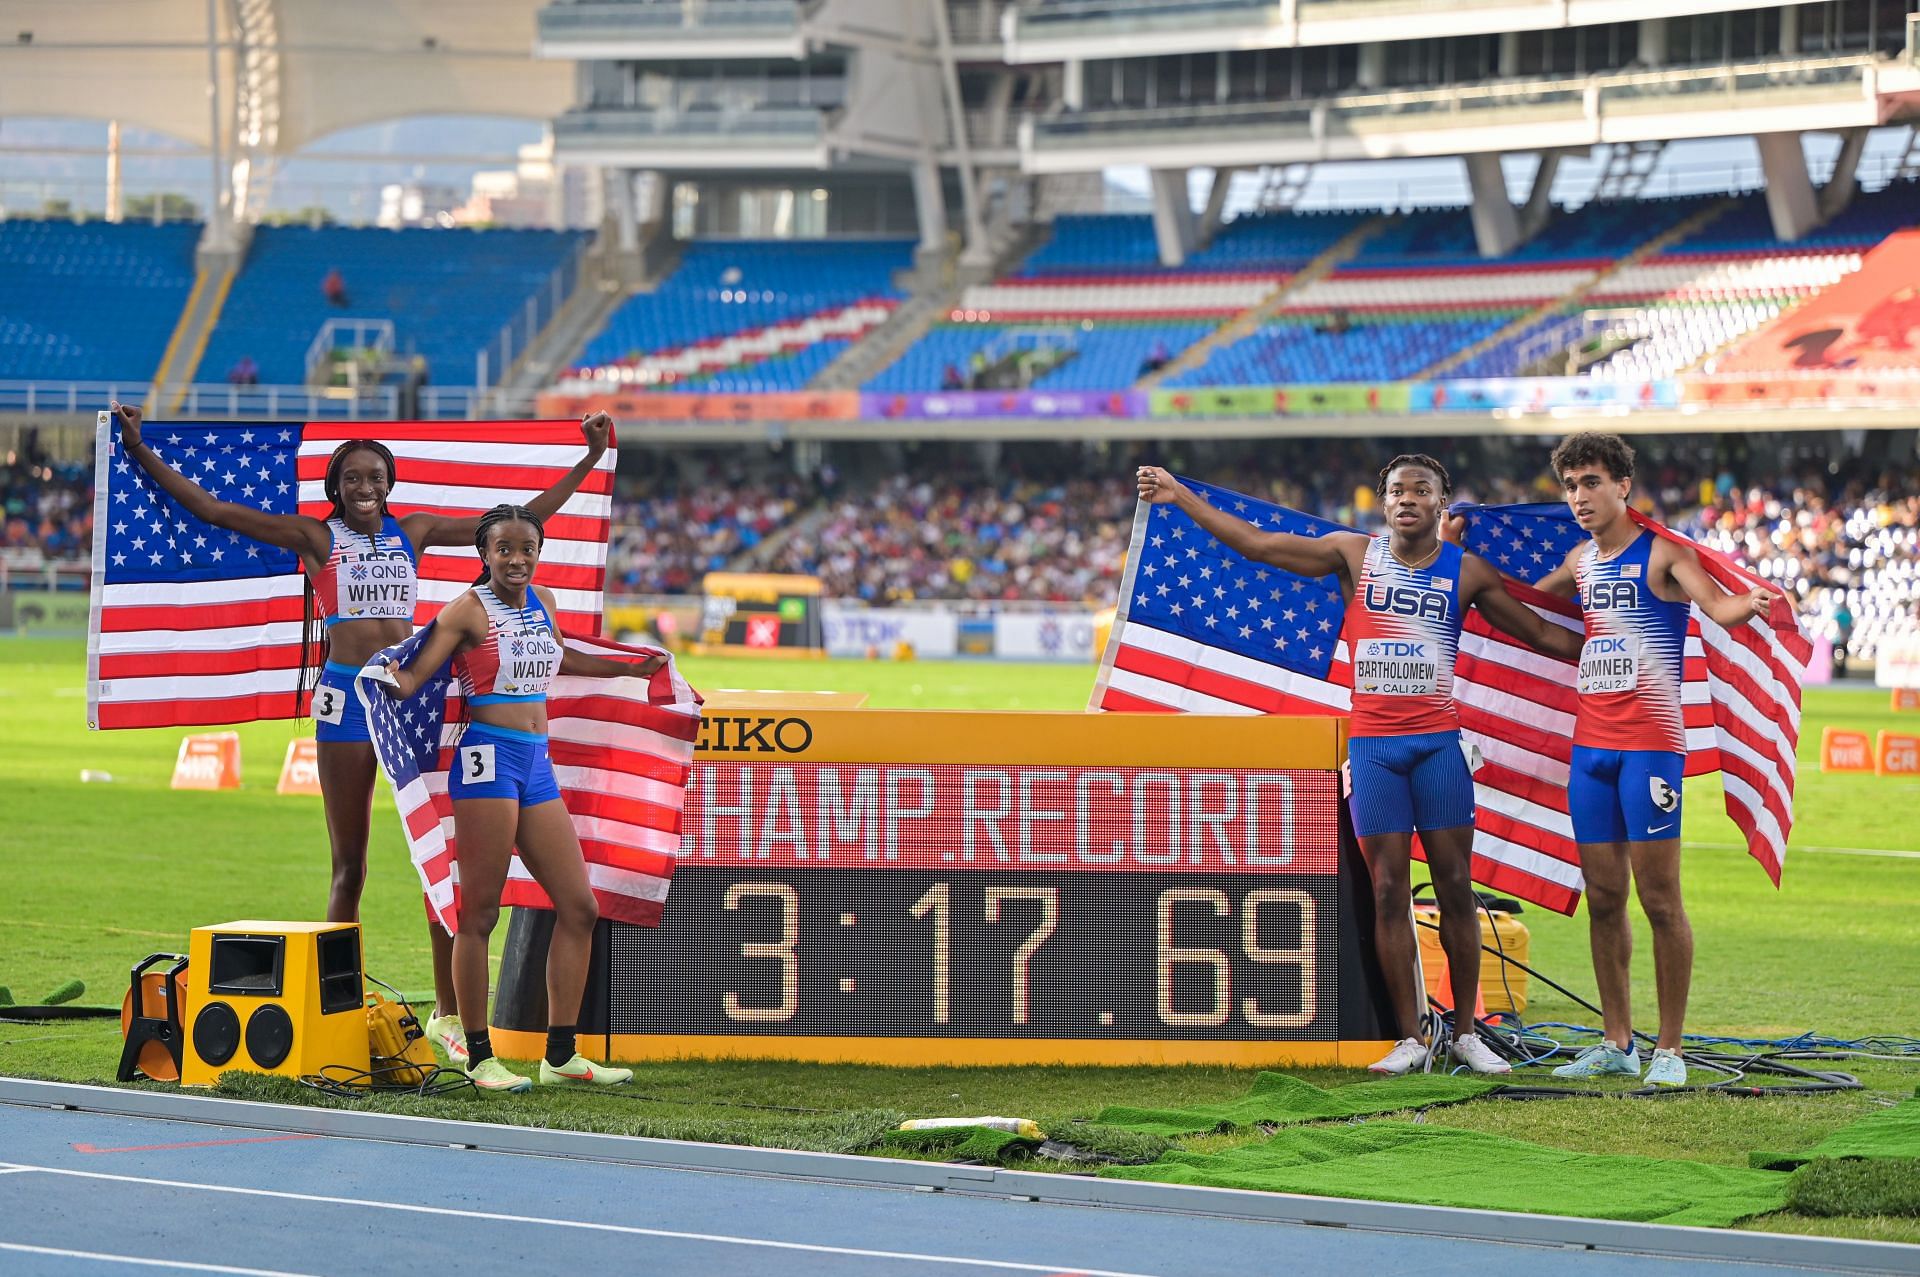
{"x": 192, "y": 624}
{"x": 1741, "y": 694}
{"x": 1200, "y": 629}
{"x": 621, "y": 752}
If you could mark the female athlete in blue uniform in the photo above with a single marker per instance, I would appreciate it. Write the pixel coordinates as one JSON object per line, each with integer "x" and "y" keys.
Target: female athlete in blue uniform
{"x": 506, "y": 651}
{"x": 359, "y": 536}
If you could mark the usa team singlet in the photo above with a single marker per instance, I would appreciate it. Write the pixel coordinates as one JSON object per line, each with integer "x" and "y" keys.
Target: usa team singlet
{"x": 366, "y": 577}
{"x": 518, "y": 659}
{"x": 1631, "y": 665}
{"x": 1403, "y": 635}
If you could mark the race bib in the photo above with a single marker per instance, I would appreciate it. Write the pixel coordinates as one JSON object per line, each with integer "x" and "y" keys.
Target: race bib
{"x": 329, "y": 703}
{"x": 1396, "y": 667}
{"x": 1609, "y": 663}
{"x": 476, "y": 764}
{"x": 379, "y": 584}
{"x": 528, "y": 662}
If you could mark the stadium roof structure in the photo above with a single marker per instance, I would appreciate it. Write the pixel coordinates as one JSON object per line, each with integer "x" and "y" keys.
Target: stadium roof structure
{"x": 285, "y": 72}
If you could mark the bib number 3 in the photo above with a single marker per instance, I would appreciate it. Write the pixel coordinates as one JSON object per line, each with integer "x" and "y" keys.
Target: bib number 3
{"x": 329, "y": 703}
{"x": 476, "y": 764}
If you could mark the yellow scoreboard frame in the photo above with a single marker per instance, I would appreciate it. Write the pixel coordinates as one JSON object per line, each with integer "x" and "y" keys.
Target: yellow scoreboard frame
{"x": 911, "y": 887}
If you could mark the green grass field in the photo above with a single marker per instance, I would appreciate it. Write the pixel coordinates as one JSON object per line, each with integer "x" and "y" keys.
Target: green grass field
{"x": 101, "y": 874}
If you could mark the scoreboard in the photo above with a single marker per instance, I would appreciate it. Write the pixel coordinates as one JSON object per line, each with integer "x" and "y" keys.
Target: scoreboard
{"x": 933, "y": 887}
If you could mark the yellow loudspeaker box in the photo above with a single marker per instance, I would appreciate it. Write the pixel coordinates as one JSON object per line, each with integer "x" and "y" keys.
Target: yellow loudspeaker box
{"x": 273, "y": 997}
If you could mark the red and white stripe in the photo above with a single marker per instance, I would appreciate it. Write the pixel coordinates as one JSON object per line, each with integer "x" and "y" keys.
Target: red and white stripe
{"x": 621, "y": 750}
{"x": 1741, "y": 699}
{"x": 173, "y": 655}
{"x": 1754, "y": 673}
{"x": 460, "y": 469}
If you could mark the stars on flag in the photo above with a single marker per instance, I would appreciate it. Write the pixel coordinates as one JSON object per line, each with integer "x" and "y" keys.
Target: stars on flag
{"x": 153, "y": 540}
{"x": 1222, "y": 594}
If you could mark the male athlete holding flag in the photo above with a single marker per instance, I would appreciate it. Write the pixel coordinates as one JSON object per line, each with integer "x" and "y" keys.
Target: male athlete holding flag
{"x": 1407, "y": 592}
{"x": 1635, "y": 589}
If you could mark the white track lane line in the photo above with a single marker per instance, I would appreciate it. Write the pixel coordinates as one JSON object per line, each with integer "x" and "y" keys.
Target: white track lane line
{"x": 1887, "y": 852}
{"x": 104, "y": 1257}
{"x": 628, "y": 1230}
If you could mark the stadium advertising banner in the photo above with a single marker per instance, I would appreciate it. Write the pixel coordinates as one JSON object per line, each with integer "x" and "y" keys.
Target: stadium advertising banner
{"x": 1784, "y": 389}
{"x": 1265, "y": 401}
{"x": 860, "y": 631}
{"x": 797, "y": 405}
{"x": 974, "y": 405}
{"x": 952, "y": 887}
{"x": 1043, "y": 636}
{"x": 1538, "y": 394}
{"x": 1897, "y": 661}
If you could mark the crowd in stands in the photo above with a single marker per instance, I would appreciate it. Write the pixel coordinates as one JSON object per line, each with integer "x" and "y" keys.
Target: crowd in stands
{"x": 931, "y": 538}
{"x": 1849, "y": 551}
{"x": 47, "y": 508}
{"x": 667, "y": 535}
{"x": 1845, "y": 546}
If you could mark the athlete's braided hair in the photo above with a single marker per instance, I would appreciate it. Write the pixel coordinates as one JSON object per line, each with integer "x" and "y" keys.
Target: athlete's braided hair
{"x": 309, "y": 612}
{"x": 502, "y": 513}
{"x": 1414, "y": 459}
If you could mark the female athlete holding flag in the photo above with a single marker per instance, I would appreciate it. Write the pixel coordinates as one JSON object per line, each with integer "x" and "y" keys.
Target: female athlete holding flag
{"x": 358, "y": 531}
{"x": 1406, "y": 592}
{"x": 506, "y": 652}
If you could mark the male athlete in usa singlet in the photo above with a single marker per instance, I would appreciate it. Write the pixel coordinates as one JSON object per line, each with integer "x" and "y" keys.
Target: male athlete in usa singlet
{"x": 1629, "y": 738}
{"x": 1636, "y": 589}
{"x": 1403, "y": 635}
{"x": 1405, "y": 594}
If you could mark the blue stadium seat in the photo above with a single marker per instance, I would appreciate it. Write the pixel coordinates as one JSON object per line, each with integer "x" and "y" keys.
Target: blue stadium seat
{"x": 448, "y": 293}
{"x": 726, "y": 288}
{"x": 93, "y": 301}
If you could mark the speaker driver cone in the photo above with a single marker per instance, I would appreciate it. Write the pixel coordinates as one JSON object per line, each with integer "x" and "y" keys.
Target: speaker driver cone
{"x": 269, "y": 1036}
{"x": 216, "y": 1033}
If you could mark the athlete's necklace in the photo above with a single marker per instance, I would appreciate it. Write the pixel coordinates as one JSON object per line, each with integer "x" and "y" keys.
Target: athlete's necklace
{"x": 1602, "y": 553}
{"x": 1425, "y": 559}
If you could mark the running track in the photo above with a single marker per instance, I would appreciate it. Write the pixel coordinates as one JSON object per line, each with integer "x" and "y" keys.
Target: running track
{"x": 84, "y": 1191}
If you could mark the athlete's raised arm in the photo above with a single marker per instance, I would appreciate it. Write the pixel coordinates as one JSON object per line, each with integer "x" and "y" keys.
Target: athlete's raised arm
{"x": 425, "y": 529}
{"x": 305, "y": 536}
{"x": 1334, "y": 553}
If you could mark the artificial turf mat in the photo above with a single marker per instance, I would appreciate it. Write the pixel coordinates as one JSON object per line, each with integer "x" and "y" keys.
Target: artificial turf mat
{"x": 1279, "y": 1100}
{"x": 1441, "y": 1166}
{"x": 1890, "y": 1133}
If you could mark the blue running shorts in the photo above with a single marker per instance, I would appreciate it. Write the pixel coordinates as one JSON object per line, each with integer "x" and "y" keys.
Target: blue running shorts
{"x": 1625, "y": 795}
{"x": 498, "y": 762}
{"x": 1407, "y": 783}
{"x": 337, "y": 714}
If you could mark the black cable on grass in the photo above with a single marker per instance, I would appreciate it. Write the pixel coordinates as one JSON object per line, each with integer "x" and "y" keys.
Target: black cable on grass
{"x": 1506, "y": 1041}
{"x": 342, "y": 1082}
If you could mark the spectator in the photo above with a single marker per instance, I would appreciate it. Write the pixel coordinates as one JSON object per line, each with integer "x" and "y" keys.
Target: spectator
{"x": 245, "y": 372}
{"x": 334, "y": 287}
{"x": 952, "y": 378}
{"x": 1842, "y": 635}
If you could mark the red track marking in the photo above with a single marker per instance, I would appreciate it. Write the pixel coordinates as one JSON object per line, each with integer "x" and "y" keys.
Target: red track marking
{"x": 157, "y": 1148}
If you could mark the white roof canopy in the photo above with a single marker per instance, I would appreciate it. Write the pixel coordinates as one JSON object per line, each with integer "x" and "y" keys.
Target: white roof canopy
{"x": 290, "y": 71}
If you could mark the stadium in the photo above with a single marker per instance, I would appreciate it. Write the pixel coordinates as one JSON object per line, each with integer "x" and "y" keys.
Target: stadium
{"x": 987, "y": 832}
